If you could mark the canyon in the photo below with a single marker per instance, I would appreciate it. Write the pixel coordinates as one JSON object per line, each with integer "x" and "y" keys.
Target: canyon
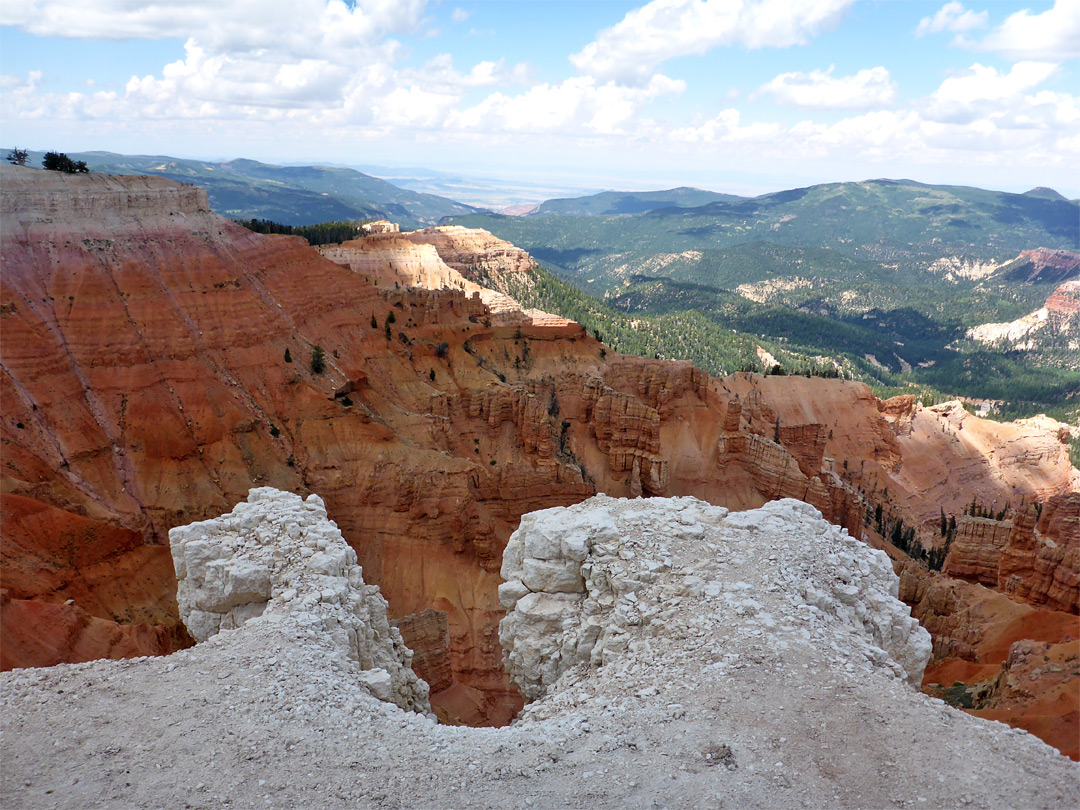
{"x": 1058, "y": 317}
{"x": 157, "y": 366}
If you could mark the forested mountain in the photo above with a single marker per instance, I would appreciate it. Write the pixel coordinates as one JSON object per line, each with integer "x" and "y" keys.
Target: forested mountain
{"x": 895, "y": 222}
{"x": 614, "y": 203}
{"x": 878, "y": 280}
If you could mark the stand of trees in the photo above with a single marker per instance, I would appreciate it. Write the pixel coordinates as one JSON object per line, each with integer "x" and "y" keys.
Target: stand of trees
{"x": 59, "y": 162}
{"x": 322, "y": 233}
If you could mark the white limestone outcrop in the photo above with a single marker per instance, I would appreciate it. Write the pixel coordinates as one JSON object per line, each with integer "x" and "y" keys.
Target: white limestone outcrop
{"x": 608, "y": 579}
{"x": 280, "y": 557}
{"x": 751, "y": 660}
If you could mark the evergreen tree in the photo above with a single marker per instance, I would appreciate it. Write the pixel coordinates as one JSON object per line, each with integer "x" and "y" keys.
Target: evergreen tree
{"x": 897, "y": 538}
{"x": 59, "y": 162}
{"x": 318, "y": 360}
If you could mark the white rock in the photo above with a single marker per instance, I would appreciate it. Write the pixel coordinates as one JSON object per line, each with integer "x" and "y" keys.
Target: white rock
{"x": 259, "y": 563}
{"x": 510, "y": 592}
{"x": 551, "y": 627}
{"x": 553, "y": 576}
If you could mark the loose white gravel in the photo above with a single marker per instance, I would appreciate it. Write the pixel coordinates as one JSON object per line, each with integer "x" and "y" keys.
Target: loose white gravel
{"x": 733, "y": 705}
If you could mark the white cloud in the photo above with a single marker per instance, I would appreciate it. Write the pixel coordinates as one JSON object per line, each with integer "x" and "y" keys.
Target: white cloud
{"x": 265, "y": 23}
{"x": 951, "y": 17}
{"x": 460, "y": 15}
{"x": 274, "y": 73}
{"x": 982, "y": 92}
{"x": 888, "y": 138}
{"x": 820, "y": 90}
{"x": 631, "y": 50}
{"x": 1052, "y": 35}
{"x": 12, "y": 82}
{"x": 579, "y": 105}
{"x": 980, "y": 117}
{"x": 439, "y": 72}
{"x": 244, "y": 53}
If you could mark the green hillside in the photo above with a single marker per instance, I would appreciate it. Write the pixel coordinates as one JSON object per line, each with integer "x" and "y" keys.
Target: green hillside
{"x": 898, "y": 223}
{"x": 616, "y": 203}
{"x": 846, "y": 276}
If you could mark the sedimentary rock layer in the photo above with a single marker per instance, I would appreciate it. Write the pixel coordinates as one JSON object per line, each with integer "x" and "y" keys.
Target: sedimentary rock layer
{"x": 1034, "y": 556}
{"x": 157, "y": 364}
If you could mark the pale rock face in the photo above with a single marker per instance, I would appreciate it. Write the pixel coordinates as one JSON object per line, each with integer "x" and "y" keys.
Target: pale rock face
{"x": 606, "y": 579}
{"x": 280, "y": 557}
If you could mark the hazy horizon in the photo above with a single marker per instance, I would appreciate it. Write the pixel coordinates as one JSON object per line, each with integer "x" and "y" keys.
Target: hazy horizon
{"x": 737, "y": 96}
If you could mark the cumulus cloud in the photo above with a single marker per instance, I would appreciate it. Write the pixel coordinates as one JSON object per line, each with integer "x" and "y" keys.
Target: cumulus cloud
{"x": 951, "y": 17}
{"x": 439, "y": 72}
{"x": 237, "y": 23}
{"x": 890, "y": 138}
{"x": 246, "y": 53}
{"x": 10, "y": 81}
{"x": 978, "y": 117}
{"x": 631, "y": 50}
{"x": 272, "y": 71}
{"x": 581, "y": 104}
{"x": 1051, "y": 35}
{"x": 460, "y": 15}
{"x": 821, "y": 90}
{"x": 982, "y": 92}
{"x": 269, "y": 60}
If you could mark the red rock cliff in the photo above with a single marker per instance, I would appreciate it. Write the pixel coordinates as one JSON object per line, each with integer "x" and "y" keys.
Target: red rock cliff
{"x": 145, "y": 384}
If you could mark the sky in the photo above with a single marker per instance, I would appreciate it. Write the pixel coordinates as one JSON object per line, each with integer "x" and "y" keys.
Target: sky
{"x": 740, "y": 96}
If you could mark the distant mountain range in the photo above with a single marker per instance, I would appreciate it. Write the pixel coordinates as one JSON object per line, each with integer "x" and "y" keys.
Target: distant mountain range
{"x": 616, "y": 203}
{"x": 895, "y": 221}
{"x": 291, "y": 195}
{"x": 882, "y": 278}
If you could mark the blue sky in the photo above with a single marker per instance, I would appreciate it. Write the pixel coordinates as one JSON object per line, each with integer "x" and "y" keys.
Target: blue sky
{"x": 743, "y": 96}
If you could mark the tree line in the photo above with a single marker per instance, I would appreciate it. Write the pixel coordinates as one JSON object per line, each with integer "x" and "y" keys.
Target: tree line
{"x": 321, "y": 233}
{"x": 53, "y": 161}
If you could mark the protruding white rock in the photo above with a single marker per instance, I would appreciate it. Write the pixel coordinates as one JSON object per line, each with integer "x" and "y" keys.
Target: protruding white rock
{"x": 280, "y": 557}
{"x": 591, "y": 583}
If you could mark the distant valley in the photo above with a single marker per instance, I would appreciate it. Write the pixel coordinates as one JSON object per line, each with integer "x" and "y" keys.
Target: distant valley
{"x": 885, "y": 281}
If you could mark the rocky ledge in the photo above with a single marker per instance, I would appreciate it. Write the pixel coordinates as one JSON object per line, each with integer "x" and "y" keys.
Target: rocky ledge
{"x": 754, "y": 660}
